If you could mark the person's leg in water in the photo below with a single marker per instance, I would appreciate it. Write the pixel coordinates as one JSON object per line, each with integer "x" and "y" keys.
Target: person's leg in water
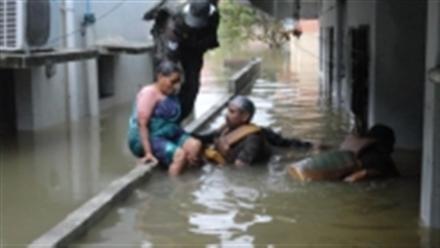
{"x": 169, "y": 154}
{"x": 192, "y": 65}
{"x": 180, "y": 160}
{"x": 193, "y": 147}
{"x": 187, "y": 154}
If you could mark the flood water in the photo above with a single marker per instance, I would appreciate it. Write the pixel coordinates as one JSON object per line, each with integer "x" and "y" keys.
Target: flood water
{"x": 262, "y": 205}
{"x": 46, "y": 174}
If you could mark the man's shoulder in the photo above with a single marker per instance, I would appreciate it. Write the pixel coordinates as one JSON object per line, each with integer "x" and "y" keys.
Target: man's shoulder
{"x": 254, "y": 138}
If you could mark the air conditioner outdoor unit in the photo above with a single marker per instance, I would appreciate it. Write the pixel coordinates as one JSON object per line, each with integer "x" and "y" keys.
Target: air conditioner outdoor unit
{"x": 25, "y": 25}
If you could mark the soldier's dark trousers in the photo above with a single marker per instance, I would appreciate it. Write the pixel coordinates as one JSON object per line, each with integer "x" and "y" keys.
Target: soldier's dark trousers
{"x": 192, "y": 64}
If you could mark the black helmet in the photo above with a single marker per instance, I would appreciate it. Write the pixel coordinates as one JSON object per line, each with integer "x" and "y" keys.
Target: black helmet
{"x": 196, "y": 13}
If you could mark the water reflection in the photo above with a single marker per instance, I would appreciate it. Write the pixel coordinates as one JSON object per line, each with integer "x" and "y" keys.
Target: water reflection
{"x": 262, "y": 205}
{"x": 49, "y": 173}
{"x": 228, "y": 210}
{"x": 45, "y": 173}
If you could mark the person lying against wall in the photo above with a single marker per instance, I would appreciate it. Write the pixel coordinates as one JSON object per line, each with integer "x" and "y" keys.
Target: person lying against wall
{"x": 358, "y": 158}
{"x": 154, "y": 133}
{"x": 241, "y": 142}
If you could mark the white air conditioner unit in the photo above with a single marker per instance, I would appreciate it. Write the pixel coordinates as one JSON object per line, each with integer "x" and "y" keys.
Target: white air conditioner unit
{"x": 25, "y": 25}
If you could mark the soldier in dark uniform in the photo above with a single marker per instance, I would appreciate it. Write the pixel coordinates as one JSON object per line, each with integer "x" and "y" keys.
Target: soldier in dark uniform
{"x": 183, "y": 34}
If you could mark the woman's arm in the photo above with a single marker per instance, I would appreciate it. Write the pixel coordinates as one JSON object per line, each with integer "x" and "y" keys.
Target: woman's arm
{"x": 361, "y": 175}
{"x": 146, "y": 102}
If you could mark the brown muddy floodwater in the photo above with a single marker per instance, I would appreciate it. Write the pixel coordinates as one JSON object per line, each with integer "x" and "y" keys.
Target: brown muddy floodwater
{"x": 46, "y": 174}
{"x": 262, "y": 205}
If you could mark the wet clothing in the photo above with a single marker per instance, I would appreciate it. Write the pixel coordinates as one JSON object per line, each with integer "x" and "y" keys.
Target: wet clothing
{"x": 256, "y": 147}
{"x": 276, "y": 139}
{"x": 250, "y": 149}
{"x": 332, "y": 165}
{"x": 377, "y": 157}
{"x": 176, "y": 41}
{"x": 165, "y": 133}
{"x": 335, "y": 165}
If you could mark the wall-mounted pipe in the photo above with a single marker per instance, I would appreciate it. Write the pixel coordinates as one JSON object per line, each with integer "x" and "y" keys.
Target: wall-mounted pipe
{"x": 92, "y": 71}
{"x": 73, "y": 92}
{"x": 89, "y": 17}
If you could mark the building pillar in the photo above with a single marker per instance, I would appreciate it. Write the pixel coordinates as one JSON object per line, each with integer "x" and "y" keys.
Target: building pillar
{"x": 430, "y": 195}
{"x": 339, "y": 42}
{"x": 73, "y": 79}
{"x": 23, "y": 98}
{"x": 92, "y": 76}
{"x": 40, "y": 97}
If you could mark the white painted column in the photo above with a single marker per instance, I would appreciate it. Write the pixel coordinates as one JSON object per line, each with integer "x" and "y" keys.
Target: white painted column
{"x": 92, "y": 76}
{"x": 73, "y": 87}
{"x": 430, "y": 195}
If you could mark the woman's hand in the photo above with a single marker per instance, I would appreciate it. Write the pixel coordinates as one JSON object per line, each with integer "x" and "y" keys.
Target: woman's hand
{"x": 149, "y": 158}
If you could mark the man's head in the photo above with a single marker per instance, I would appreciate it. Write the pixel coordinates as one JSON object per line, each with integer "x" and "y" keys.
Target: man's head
{"x": 240, "y": 111}
{"x": 384, "y": 135}
{"x": 196, "y": 13}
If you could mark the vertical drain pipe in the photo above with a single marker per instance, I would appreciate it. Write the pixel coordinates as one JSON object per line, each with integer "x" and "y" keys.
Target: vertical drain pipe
{"x": 92, "y": 87}
{"x": 73, "y": 92}
{"x": 92, "y": 72}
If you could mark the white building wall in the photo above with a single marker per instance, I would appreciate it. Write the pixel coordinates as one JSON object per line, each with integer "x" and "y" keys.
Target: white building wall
{"x": 327, "y": 20}
{"x": 118, "y": 23}
{"x": 43, "y": 101}
{"x": 360, "y": 12}
{"x": 396, "y": 63}
{"x": 430, "y": 197}
{"x": 328, "y": 13}
{"x": 131, "y": 73}
{"x": 118, "y": 20}
{"x": 397, "y": 86}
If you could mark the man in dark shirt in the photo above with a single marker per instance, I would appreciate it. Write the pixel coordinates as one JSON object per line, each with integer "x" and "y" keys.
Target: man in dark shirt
{"x": 240, "y": 142}
{"x": 183, "y": 33}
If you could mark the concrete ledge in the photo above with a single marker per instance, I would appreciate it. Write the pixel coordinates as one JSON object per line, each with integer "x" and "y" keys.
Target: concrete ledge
{"x": 124, "y": 48}
{"x": 25, "y": 60}
{"x": 192, "y": 127}
{"x": 241, "y": 82}
{"x": 20, "y": 60}
{"x": 79, "y": 221}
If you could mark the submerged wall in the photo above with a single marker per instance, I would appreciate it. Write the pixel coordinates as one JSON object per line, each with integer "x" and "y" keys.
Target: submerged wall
{"x": 397, "y": 88}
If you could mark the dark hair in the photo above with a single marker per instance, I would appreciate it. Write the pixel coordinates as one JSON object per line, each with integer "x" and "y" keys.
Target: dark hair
{"x": 384, "y": 135}
{"x": 244, "y": 104}
{"x": 166, "y": 68}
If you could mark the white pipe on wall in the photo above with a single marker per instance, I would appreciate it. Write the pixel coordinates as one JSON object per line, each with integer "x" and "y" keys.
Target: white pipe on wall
{"x": 73, "y": 92}
{"x": 92, "y": 75}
